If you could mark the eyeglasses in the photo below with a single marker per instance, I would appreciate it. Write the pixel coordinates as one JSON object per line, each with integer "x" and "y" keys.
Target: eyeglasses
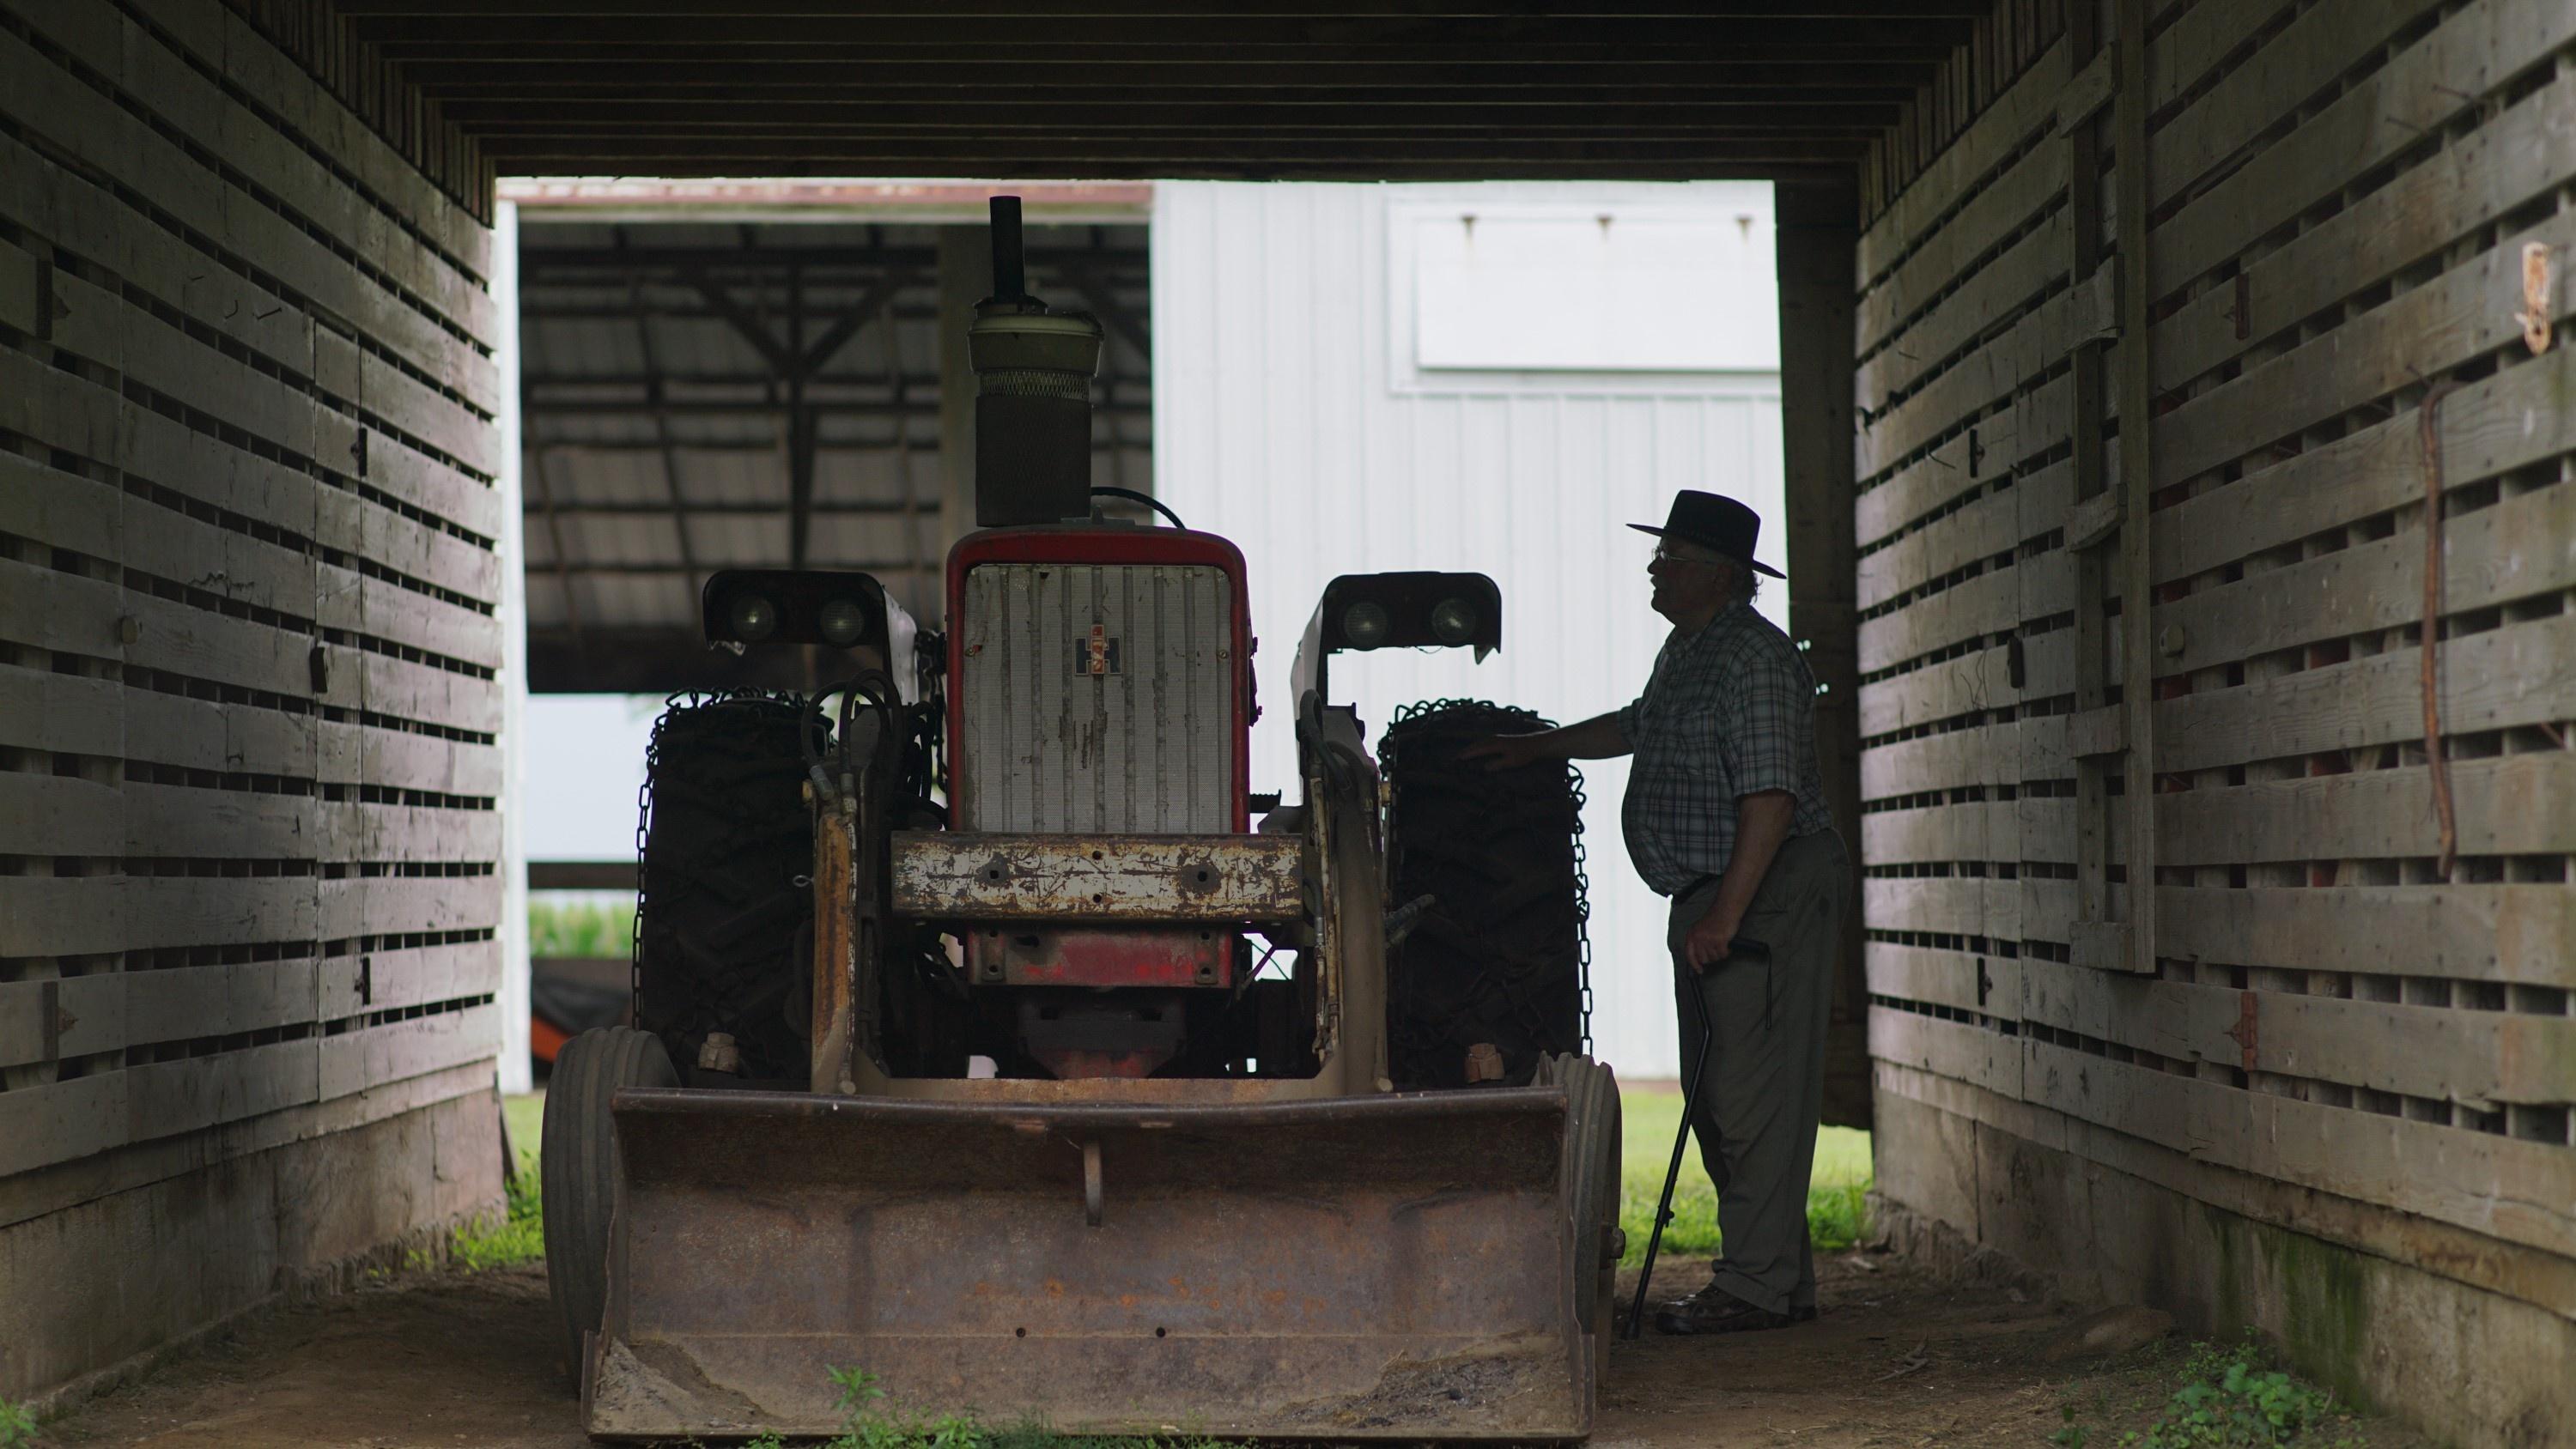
{"x": 1664, "y": 554}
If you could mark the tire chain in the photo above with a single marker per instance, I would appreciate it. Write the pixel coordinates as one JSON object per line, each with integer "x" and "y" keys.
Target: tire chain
{"x": 1504, "y": 954}
{"x": 724, "y": 852}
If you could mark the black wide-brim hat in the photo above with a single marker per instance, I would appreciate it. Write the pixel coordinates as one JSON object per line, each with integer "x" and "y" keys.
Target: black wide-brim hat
{"x": 1713, "y": 521}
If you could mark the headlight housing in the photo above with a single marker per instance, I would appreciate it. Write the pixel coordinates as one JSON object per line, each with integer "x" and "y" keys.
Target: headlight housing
{"x": 1453, "y": 621}
{"x": 1365, "y": 624}
{"x": 842, "y": 622}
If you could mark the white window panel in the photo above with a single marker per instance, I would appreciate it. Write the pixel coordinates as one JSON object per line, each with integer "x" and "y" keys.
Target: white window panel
{"x": 1635, "y": 288}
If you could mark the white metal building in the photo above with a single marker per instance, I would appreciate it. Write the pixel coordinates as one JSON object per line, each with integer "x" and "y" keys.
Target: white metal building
{"x": 1493, "y": 377}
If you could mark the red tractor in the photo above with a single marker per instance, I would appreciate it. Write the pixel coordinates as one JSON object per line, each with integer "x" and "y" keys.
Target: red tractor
{"x": 986, "y": 1043}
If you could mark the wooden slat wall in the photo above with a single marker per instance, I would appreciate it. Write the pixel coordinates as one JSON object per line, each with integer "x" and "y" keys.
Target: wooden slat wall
{"x": 2340, "y": 198}
{"x": 248, "y": 771}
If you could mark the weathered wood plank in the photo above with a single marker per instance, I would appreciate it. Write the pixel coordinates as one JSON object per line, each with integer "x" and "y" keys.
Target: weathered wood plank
{"x": 182, "y": 820}
{"x": 392, "y": 905}
{"x": 1991, "y": 754}
{"x": 417, "y": 762}
{"x": 2419, "y": 333}
{"x": 379, "y": 609}
{"x": 361, "y": 526}
{"x": 2510, "y": 805}
{"x": 58, "y": 815}
{"x": 359, "y": 1060}
{"x": 2029, "y": 105}
{"x": 1964, "y": 906}
{"x": 2509, "y": 933}
{"x": 2186, "y": 52}
{"x": 1983, "y": 830}
{"x": 1991, "y": 603}
{"x": 2510, "y": 420}
{"x": 419, "y": 691}
{"x": 1989, "y": 527}
{"x": 42, "y": 710}
{"x": 87, "y": 915}
{"x": 111, "y": 1010}
{"x": 2484, "y": 175}
{"x": 201, "y": 734}
{"x": 168, "y": 1098}
{"x": 1974, "y": 1054}
{"x": 1961, "y": 980}
{"x": 350, "y": 830}
{"x": 161, "y": 82}
{"x": 1996, "y": 370}
{"x": 2021, "y": 193}
{"x": 2001, "y": 287}
{"x": 2306, "y": 57}
{"x": 85, "y": 125}
{"x": 2415, "y": 94}
{"x": 78, "y": 216}
{"x": 2479, "y": 1058}
{"x": 242, "y": 53}
{"x": 2512, "y": 676}
{"x": 2518, "y": 1190}
{"x": 2037, "y": 421}
{"x": 2513, "y": 550}
{"x": 27, "y": 1196}
{"x": 407, "y": 977}
{"x": 1969, "y": 684}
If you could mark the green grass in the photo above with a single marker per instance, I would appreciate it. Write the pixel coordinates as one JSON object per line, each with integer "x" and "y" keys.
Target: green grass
{"x": 581, "y": 925}
{"x": 1835, "y": 1217}
{"x": 520, "y": 1235}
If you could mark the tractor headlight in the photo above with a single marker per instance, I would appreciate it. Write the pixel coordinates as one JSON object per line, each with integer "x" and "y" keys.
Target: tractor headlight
{"x": 1365, "y": 624}
{"x": 753, "y": 617}
{"x": 1453, "y": 621}
{"x": 843, "y": 621}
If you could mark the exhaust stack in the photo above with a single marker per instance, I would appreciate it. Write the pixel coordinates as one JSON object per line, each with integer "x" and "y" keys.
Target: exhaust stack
{"x": 1033, "y": 371}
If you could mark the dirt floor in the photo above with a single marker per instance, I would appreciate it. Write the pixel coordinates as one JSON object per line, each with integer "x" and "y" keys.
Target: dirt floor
{"x": 1897, "y": 1358}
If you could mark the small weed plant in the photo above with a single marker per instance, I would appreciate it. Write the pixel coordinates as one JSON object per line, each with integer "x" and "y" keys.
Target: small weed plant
{"x": 874, "y": 1419}
{"x": 2230, "y": 1399}
{"x": 17, "y": 1425}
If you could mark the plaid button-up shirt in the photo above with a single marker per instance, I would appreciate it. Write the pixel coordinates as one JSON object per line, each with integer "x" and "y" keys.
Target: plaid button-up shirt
{"x": 1729, "y": 711}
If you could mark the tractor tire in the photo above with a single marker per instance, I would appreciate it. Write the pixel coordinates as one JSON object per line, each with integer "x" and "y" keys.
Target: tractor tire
{"x": 577, "y": 1163}
{"x": 728, "y": 845}
{"x": 1499, "y": 956}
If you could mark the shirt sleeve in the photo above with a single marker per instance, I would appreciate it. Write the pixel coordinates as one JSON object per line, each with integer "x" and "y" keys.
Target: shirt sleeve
{"x": 1765, "y": 723}
{"x": 1627, "y": 719}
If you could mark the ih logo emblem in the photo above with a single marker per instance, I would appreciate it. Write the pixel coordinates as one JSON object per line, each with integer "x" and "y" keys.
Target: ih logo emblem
{"x": 1095, "y": 653}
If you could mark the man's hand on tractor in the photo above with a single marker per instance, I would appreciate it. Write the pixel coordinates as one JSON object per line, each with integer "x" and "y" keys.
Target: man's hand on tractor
{"x": 1710, "y": 936}
{"x": 1507, "y": 752}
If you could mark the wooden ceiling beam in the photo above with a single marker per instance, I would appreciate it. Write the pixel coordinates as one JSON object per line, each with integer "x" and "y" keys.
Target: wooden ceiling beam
{"x": 996, "y": 77}
{"x": 1360, "y": 19}
{"x": 1074, "y": 37}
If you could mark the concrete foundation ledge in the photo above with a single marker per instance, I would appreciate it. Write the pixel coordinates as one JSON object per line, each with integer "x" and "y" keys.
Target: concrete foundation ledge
{"x": 103, "y": 1291}
{"x": 2467, "y": 1365}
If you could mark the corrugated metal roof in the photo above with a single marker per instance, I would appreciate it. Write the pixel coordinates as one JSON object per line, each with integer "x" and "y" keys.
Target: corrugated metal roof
{"x": 655, "y": 424}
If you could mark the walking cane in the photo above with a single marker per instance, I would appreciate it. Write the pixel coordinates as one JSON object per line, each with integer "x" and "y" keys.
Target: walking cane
{"x": 1746, "y": 949}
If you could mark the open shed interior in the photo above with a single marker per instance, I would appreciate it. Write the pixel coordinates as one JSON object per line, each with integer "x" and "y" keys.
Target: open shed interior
{"x": 702, "y": 395}
{"x": 2180, "y": 475}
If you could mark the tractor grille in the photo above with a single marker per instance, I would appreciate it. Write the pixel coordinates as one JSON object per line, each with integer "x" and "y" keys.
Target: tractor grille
{"x": 1098, "y": 698}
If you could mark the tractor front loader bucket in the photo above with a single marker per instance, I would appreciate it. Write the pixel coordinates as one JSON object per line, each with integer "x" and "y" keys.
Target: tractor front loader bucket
{"x": 1391, "y": 1267}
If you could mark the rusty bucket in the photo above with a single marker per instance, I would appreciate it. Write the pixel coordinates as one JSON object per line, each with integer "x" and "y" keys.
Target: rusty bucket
{"x": 1392, "y": 1267}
